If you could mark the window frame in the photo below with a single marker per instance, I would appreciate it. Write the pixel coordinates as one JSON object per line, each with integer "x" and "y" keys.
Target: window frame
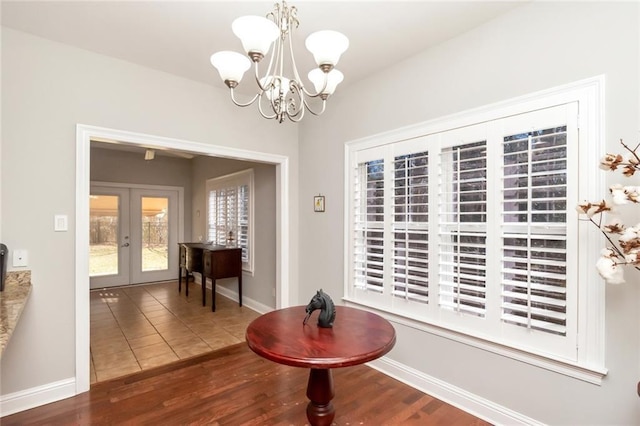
{"x": 588, "y": 363}
{"x": 243, "y": 177}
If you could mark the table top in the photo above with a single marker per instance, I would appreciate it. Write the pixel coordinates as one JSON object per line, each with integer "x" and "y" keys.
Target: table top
{"x": 209, "y": 247}
{"x": 357, "y": 337}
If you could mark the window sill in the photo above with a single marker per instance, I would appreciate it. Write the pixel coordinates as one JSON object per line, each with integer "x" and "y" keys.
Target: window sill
{"x": 588, "y": 374}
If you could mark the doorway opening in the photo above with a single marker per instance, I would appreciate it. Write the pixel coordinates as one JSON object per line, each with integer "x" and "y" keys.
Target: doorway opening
{"x": 84, "y": 136}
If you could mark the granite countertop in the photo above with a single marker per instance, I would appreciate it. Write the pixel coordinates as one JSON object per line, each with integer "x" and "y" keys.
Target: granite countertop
{"x": 17, "y": 289}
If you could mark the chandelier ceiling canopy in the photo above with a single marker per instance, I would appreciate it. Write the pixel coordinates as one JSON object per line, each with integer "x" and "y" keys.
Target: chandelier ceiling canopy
{"x": 281, "y": 91}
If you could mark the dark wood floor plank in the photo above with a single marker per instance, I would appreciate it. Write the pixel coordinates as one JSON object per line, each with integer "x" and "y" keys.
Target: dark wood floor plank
{"x": 233, "y": 386}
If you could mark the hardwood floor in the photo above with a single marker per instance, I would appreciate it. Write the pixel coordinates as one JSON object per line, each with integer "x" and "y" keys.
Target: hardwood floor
{"x": 234, "y": 386}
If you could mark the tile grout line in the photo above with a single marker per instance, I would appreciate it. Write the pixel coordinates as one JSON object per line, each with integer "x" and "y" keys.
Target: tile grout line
{"x": 122, "y": 331}
{"x": 179, "y": 319}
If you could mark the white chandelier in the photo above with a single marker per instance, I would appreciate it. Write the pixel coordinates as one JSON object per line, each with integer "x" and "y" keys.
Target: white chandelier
{"x": 286, "y": 96}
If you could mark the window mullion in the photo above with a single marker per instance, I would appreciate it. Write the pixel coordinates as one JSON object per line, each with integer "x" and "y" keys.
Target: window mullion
{"x": 494, "y": 208}
{"x": 434, "y": 217}
{"x": 388, "y": 224}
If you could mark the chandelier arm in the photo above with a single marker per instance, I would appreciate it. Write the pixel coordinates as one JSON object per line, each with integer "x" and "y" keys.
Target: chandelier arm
{"x": 296, "y": 75}
{"x": 298, "y": 113}
{"x": 294, "y": 88}
{"x": 268, "y": 117}
{"x": 257, "y": 76}
{"x": 296, "y": 118}
{"x": 324, "y": 104}
{"x": 240, "y": 104}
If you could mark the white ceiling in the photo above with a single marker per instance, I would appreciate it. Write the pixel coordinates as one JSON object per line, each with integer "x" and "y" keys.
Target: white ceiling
{"x": 178, "y": 37}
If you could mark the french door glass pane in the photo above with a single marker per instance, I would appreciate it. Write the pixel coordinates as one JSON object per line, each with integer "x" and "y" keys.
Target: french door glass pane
{"x": 103, "y": 235}
{"x": 155, "y": 233}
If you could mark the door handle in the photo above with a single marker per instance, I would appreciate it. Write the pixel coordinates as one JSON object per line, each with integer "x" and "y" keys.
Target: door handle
{"x": 125, "y": 245}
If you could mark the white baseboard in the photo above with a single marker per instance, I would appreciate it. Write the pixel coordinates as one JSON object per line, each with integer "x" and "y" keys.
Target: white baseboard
{"x": 458, "y": 397}
{"x": 35, "y": 397}
{"x": 246, "y": 301}
{"x": 233, "y": 295}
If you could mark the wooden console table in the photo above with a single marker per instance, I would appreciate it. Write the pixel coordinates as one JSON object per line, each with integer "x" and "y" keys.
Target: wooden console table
{"x": 357, "y": 337}
{"x": 210, "y": 261}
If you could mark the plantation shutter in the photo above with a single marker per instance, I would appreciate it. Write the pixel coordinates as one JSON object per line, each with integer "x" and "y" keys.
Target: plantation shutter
{"x": 468, "y": 228}
{"x": 534, "y": 228}
{"x": 410, "y": 227}
{"x": 230, "y": 201}
{"x": 368, "y": 241}
{"x": 212, "y": 216}
{"x": 229, "y": 213}
{"x": 242, "y": 233}
{"x": 463, "y": 228}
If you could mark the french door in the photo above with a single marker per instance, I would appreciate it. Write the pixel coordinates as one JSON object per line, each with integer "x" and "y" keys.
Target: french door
{"x": 133, "y": 235}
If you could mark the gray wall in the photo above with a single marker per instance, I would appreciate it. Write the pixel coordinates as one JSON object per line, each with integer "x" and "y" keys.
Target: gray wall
{"x": 261, "y": 285}
{"x": 127, "y": 167}
{"x": 532, "y": 48}
{"x": 47, "y": 89}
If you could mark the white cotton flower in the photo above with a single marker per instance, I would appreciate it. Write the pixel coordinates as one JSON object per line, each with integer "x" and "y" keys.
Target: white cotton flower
{"x": 632, "y": 193}
{"x": 633, "y": 257}
{"x": 612, "y": 273}
{"x": 618, "y": 194}
{"x": 631, "y": 233}
{"x": 607, "y": 253}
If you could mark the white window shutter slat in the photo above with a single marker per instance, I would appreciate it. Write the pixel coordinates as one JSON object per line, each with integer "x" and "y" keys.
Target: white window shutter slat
{"x": 368, "y": 240}
{"x": 463, "y": 228}
{"x": 410, "y": 237}
{"x": 534, "y": 215}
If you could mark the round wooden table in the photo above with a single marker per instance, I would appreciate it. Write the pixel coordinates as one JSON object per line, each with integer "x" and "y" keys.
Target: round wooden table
{"x": 357, "y": 337}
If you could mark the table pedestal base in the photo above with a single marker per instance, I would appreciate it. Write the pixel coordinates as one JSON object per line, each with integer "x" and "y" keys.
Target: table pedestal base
{"x": 320, "y": 411}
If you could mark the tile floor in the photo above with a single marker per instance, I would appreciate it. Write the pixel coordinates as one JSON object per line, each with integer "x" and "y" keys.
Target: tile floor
{"x": 140, "y": 327}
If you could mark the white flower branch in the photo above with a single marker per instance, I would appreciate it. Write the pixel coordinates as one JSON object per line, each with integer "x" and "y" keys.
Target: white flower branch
{"x": 626, "y": 250}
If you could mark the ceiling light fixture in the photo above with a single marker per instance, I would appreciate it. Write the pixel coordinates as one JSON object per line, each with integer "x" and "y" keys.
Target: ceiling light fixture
{"x": 287, "y": 96}
{"x": 149, "y": 154}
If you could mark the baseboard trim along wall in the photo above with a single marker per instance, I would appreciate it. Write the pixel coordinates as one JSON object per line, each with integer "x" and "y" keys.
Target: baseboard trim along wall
{"x": 246, "y": 301}
{"x": 233, "y": 295}
{"x": 35, "y": 397}
{"x": 458, "y": 397}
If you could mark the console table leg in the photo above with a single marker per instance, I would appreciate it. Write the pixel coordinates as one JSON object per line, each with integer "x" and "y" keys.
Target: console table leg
{"x": 320, "y": 411}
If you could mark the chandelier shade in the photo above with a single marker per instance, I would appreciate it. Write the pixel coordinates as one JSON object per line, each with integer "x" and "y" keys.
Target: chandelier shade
{"x": 256, "y": 34}
{"x": 281, "y": 93}
{"x": 230, "y": 65}
{"x": 327, "y": 46}
{"x": 325, "y": 83}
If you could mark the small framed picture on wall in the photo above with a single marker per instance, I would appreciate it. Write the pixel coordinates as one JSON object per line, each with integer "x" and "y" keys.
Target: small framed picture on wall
{"x": 318, "y": 203}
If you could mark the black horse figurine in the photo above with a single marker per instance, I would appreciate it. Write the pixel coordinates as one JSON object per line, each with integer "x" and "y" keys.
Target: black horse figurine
{"x": 323, "y": 302}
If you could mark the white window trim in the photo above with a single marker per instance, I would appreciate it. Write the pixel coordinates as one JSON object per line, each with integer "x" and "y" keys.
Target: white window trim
{"x": 589, "y": 93}
{"x": 237, "y": 178}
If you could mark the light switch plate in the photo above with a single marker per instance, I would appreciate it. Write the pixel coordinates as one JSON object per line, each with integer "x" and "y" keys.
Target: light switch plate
{"x": 60, "y": 223}
{"x": 20, "y": 258}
